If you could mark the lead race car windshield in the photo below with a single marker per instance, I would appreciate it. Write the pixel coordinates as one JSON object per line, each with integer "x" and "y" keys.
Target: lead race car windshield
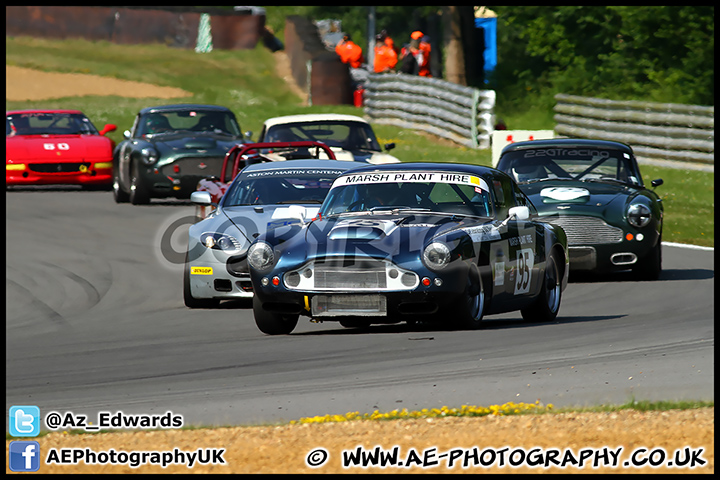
{"x": 580, "y": 164}
{"x": 443, "y": 192}
{"x": 281, "y": 186}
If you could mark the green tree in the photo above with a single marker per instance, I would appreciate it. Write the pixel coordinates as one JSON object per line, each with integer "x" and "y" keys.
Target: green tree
{"x": 663, "y": 54}
{"x": 655, "y": 53}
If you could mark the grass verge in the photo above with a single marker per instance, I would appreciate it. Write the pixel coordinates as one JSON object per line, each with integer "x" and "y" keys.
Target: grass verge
{"x": 506, "y": 409}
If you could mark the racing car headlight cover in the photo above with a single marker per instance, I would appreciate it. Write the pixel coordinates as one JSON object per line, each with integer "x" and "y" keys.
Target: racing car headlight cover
{"x": 220, "y": 241}
{"x": 149, "y": 155}
{"x": 436, "y": 256}
{"x": 638, "y": 215}
{"x": 261, "y": 256}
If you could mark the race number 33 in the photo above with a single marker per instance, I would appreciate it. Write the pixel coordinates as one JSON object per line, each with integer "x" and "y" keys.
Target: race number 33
{"x": 525, "y": 262}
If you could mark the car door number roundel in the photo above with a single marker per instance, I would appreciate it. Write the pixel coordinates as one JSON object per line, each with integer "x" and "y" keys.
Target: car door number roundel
{"x": 525, "y": 262}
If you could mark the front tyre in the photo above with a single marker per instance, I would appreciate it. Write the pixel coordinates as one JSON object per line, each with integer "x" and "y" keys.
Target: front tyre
{"x": 119, "y": 194}
{"x": 547, "y": 305}
{"x": 468, "y": 313}
{"x": 650, "y": 266}
{"x": 273, "y": 323}
{"x": 138, "y": 191}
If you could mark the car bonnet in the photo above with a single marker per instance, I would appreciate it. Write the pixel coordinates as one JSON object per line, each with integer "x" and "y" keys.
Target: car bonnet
{"x": 253, "y": 221}
{"x": 195, "y": 143}
{"x": 386, "y": 235}
{"x": 57, "y": 148}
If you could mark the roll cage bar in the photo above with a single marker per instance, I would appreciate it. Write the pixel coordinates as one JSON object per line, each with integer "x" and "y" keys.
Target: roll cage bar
{"x": 245, "y": 154}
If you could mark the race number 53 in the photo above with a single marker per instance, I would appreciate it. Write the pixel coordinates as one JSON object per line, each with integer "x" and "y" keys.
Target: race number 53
{"x": 525, "y": 262}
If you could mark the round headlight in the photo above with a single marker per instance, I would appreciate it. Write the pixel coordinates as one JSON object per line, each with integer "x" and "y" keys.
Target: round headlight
{"x": 260, "y": 256}
{"x": 149, "y": 155}
{"x": 436, "y": 256}
{"x": 638, "y": 215}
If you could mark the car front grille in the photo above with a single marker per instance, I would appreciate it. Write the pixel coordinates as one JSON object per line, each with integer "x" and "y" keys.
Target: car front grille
{"x": 583, "y": 230}
{"x": 196, "y": 166}
{"x": 67, "y": 167}
{"x": 327, "y": 278}
{"x": 351, "y": 274}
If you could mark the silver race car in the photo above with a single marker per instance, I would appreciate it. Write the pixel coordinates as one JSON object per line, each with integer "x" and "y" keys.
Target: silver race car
{"x": 262, "y": 196}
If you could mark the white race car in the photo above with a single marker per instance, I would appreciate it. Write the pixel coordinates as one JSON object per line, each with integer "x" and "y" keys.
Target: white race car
{"x": 350, "y": 137}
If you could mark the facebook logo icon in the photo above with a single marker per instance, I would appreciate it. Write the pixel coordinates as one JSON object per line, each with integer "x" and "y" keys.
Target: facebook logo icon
{"x": 24, "y": 456}
{"x": 24, "y": 421}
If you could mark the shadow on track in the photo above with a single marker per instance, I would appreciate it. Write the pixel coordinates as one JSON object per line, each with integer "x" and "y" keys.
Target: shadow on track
{"x": 629, "y": 276}
{"x": 423, "y": 330}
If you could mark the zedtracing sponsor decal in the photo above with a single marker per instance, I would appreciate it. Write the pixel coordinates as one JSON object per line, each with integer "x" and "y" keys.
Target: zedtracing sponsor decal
{"x": 567, "y": 152}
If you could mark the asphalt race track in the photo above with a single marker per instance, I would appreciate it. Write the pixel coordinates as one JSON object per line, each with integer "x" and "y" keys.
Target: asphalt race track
{"x": 96, "y": 322}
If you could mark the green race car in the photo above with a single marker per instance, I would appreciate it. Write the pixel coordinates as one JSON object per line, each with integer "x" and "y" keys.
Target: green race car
{"x": 169, "y": 149}
{"x": 594, "y": 191}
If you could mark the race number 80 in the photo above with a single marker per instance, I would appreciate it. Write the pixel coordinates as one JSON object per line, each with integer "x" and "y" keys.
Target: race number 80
{"x": 525, "y": 262}
{"x": 59, "y": 146}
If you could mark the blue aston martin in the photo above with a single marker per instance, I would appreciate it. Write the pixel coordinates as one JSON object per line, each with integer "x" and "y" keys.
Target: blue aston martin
{"x": 408, "y": 242}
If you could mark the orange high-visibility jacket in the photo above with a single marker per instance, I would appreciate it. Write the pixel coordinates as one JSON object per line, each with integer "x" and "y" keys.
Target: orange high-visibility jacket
{"x": 424, "y": 70}
{"x": 385, "y": 58}
{"x": 350, "y": 53}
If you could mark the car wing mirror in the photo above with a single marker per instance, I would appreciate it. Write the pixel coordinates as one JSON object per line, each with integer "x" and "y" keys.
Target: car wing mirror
{"x": 389, "y": 146}
{"x": 520, "y": 213}
{"x": 126, "y": 134}
{"x": 657, "y": 183}
{"x": 202, "y": 198}
{"x": 248, "y": 136}
{"x": 517, "y": 213}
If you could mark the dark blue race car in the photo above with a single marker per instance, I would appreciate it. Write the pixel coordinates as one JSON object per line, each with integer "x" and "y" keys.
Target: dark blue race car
{"x": 409, "y": 242}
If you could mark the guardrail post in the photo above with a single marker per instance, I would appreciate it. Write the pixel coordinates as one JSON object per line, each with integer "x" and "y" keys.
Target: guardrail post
{"x": 474, "y": 112}
{"x": 308, "y": 66}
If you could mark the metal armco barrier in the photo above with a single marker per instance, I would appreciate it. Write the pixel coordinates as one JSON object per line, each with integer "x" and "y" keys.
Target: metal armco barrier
{"x": 461, "y": 114}
{"x": 662, "y": 131}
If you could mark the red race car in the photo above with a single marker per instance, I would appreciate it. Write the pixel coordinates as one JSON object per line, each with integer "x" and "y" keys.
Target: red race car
{"x": 56, "y": 147}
